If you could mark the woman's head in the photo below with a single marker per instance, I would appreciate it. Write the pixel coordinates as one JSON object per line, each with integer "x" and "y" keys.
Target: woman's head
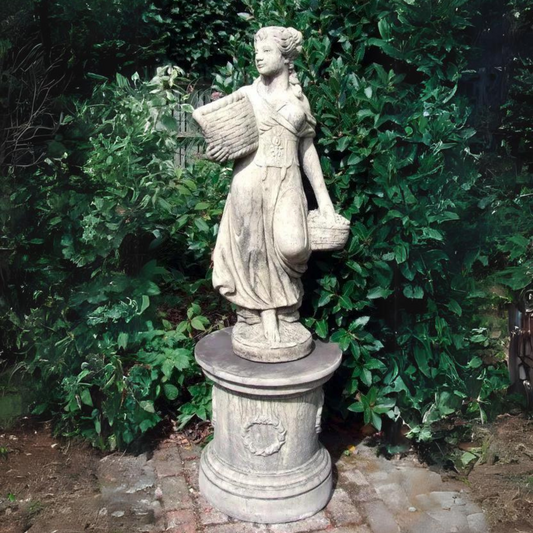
{"x": 276, "y": 46}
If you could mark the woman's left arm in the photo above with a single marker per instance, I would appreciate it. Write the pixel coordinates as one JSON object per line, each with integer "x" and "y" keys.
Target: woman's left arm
{"x": 312, "y": 169}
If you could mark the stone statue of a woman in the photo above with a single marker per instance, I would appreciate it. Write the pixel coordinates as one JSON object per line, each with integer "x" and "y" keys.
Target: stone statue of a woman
{"x": 263, "y": 243}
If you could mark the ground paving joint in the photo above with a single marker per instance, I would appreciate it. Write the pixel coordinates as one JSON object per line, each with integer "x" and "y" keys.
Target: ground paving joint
{"x": 372, "y": 495}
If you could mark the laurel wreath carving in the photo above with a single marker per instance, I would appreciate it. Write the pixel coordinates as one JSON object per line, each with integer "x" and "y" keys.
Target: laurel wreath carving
{"x": 280, "y": 436}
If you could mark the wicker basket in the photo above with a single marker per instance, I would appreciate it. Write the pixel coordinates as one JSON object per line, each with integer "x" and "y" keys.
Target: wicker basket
{"x": 325, "y": 236}
{"x": 229, "y": 124}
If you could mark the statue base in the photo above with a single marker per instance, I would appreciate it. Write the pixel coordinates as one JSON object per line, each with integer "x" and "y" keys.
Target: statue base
{"x": 265, "y": 463}
{"x": 249, "y": 342}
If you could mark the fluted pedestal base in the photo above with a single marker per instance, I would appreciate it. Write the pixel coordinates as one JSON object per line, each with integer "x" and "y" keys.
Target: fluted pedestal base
{"x": 265, "y": 463}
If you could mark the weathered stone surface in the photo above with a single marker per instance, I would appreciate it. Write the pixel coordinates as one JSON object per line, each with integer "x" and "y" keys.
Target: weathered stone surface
{"x": 265, "y": 463}
{"x": 427, "y": 524}
{"x": 215, "y": 355}
{"x": 176, "y": 493}
{"x": 355, "y": 476}
{"x": 317, "y": 522}
{"x": 189, "y": 453}
{"x": 266, "y": 234}
{"x": 447, "y": 499}
{"x": 450, "y": 519}
{"x": 379, "y": 518}
{"x": 353, "y": 529}
{"x": 364, "y": 494}
{"x": 182, "y": 521}
{"x": 238, "y": 528}
{"x": 167, "y": 462}
{"x": 393, "y": 496}
{"x": 342, "y": 509}
{"x": 477, "y": 523}
{"x": 210, "y": 515}
{"x": 420, "y": 481}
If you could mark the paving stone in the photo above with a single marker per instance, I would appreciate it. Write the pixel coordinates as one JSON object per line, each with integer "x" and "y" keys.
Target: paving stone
{"x": 175, "y": 493}
{"x": 420, "y": 481}
{"x": 159, "y": 514}
{"x": 472, "y": 508}
{"x": 209, "y": 515}
{"x": 355, "y": 476}
{"x": 364, "y": 494}
{"x": 182, "y": 521}
{"x": 353, "y": 529}
{"x": 167, "y": 462}
{"x": 378, "y": 477}
{"x": 453, "y": 519}
{"x": 238, "y": 527}
{"x": 477, "y": 523}
{"x": 380, "y": 518}
{"x": 393, "y": 497}
{"x": 193, "y": 482}
{"x": 342, "y": 509}
{"x": 192, "y": 466}
{"x": 447, "y": 499}
{"x": 424, "y": 503}
{"x": 189, "y": 453}
{"x": 426, "y": 524}
{"x": 315, "y": 523}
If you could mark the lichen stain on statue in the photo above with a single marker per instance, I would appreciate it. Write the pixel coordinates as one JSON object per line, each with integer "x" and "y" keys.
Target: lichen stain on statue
{"x": 267, "y": 234}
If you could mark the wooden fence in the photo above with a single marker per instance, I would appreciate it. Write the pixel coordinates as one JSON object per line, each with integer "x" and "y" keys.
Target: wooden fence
{"x": 189, "y": 133}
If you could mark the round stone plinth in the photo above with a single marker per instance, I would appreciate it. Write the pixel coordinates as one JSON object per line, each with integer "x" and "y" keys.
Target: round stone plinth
{"x": 268, "y": 498}
{"x": 249, "y": 342}
{"x": 265, "y": 463}
{"x": 214, "y": 353}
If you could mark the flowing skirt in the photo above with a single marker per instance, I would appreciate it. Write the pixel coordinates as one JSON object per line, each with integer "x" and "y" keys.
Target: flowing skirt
{"x": 263, "y": 246}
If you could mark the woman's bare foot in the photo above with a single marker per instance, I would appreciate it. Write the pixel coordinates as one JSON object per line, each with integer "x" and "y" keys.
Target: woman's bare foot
{"x": 269, "y": 320}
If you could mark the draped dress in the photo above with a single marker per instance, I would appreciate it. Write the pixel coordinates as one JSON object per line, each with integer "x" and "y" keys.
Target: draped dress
{"x": 262, "y": 245}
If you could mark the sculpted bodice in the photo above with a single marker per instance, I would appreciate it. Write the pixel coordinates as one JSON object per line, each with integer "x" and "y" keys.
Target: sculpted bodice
{"x": 280, "y": 129}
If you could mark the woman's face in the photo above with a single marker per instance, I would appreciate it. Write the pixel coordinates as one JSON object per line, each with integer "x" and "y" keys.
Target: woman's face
{"x": 268, "y": 58}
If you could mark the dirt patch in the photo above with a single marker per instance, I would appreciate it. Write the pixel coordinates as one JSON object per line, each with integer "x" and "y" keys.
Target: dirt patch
{"x": 502, "y": 479}
{"x": 48, "y": 485}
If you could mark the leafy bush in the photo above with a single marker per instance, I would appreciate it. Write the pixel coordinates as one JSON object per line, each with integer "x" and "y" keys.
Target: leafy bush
{"x": 402, "y": 300}
{"x": 106, "y": 314}
{"x": 105, "y": 242}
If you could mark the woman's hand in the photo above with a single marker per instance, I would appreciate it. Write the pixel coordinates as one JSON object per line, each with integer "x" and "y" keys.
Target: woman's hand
{"x": 327, "y": 211}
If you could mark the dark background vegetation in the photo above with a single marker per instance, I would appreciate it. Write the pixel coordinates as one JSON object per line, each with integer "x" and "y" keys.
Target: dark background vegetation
{"x": 424, "y": 111}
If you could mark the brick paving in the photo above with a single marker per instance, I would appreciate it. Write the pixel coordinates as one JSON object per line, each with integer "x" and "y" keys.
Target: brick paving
{"x": 372, "y": 495}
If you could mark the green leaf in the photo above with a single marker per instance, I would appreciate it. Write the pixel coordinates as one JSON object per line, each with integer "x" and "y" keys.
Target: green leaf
{"x": 122, "y": 340}
{"x": 411, "y": 292}
{"x": 475, "y": 362}
{"x": 357, "y": 407}
{"x": 422, "y": 358}
{"x": 360, "y": 322}
{"x": 343, "y": 143}
{"x": 378, "y": 292}
{"x": 169, "y": 122}
{"x": 171, "y": 392}
{"x": 85, "y": 396}
{"x": 197, "y": 323}
{"x": 376, "y": 421}
{"x": 366, "y": 377}
{"x": 322, "y": 329}
{"x": 145, "y": 303}
{"x": 148, "y": 406}
{"x": 455, "y": 307}
{"x": 325, "y": 298}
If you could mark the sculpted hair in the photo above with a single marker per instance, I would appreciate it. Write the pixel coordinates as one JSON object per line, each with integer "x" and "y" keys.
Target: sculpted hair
{"x": 289, "y": 42}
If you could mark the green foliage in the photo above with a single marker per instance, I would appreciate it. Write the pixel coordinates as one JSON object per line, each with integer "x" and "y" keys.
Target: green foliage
{"x": 382, "y": 80}
{"x": 98, "y": 295}
{"x": 197, "y": 33}
{"x": 105, "y": 241}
